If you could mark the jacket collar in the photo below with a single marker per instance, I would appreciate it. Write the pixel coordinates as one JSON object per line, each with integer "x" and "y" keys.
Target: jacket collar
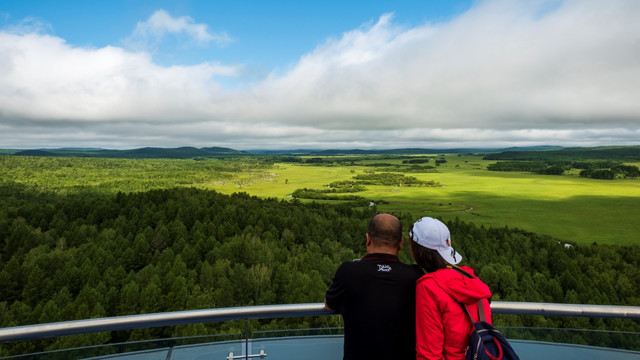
{"x": 381, "y": 256}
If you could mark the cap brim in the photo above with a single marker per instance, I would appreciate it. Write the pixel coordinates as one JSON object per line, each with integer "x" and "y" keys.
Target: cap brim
{"x": 450, "y": 256}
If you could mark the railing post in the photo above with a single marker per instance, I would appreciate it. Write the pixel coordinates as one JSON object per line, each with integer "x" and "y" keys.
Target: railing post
{"x": 246, "y": 337}
{"x": 261, "y": 355}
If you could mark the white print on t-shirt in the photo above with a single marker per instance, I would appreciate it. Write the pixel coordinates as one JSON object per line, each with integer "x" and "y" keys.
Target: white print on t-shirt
{"x": 385, "y": 268}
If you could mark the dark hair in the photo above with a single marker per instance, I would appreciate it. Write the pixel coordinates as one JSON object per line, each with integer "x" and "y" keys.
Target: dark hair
{"x": 385, "y": 230}
{"x": 428, "y": 259}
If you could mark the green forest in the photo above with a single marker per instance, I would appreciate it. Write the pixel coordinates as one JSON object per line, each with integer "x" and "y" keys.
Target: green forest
{"x": 608, "y": 170}
{"x": 87, "y": 255}
{"x": 597, "y": 163}
{"x": 100, "y": 237}
{"x": 621, "y": 153}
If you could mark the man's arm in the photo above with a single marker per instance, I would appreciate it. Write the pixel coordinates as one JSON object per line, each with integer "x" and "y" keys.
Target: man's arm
{"x": 335, "y": 292}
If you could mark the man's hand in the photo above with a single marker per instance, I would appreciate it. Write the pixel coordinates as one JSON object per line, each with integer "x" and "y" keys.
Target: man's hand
{"x": 326, "y": 307}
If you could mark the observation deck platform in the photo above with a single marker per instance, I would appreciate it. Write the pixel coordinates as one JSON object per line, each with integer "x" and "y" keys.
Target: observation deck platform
{"x": 310, "y": 344}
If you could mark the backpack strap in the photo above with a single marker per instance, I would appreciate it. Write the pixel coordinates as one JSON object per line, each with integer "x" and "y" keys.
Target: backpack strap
{"x": 461, "y": 271}
{"x": 481, "y": 316}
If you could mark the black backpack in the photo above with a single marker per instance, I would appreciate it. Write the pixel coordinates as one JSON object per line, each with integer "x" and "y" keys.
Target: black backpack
{"x": 485, "y": 342}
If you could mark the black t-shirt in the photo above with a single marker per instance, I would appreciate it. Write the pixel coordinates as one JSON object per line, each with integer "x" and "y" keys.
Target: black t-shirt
{"x": 376, "y": 297}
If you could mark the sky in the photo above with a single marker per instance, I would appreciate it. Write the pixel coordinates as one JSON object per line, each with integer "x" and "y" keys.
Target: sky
{"x": 330, "y": 74}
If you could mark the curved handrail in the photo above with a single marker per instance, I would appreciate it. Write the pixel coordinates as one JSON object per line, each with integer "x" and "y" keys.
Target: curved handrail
{"x": 29, "y": 332}
{"x": 553, "y": 309}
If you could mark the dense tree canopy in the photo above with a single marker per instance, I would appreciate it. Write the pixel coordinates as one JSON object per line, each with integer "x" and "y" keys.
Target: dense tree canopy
{"x": 87, "y": 254}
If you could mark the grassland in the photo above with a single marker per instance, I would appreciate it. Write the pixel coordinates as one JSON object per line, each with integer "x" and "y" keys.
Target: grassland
{"x": 568, "y": 207}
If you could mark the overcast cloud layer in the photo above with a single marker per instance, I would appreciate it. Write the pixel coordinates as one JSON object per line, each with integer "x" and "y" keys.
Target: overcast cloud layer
{"x": 505, "y": 73}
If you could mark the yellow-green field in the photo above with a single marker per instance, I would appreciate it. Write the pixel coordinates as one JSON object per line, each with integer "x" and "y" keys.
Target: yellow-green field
{"x": 568, "y": 207}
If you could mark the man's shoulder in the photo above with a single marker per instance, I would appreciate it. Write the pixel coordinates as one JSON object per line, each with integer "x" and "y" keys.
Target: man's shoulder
{"x": 348, "y": 266}
{"x": 413, "y": 269}
{"x": 348, "y": 263}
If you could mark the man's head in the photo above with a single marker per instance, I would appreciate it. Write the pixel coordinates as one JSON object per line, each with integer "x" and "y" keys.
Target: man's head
{"x": 384, "y": 234}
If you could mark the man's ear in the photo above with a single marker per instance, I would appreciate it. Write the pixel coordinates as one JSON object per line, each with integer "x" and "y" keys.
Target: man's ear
{"x": 400, "y": 244}
{"x": 368, "y": 240}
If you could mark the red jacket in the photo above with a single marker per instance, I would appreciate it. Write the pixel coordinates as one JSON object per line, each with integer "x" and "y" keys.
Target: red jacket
{"x": 442, "y": 327}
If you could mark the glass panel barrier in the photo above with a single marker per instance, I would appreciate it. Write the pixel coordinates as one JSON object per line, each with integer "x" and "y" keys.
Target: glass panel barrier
{"x": 326, "y": 343}
{"x": 599, "y": 338}
{"x": 317, "y": 343}
{"x": 532, "y": 350}
{"x": 148, "y": 349}
{"x": 297, "y": 332}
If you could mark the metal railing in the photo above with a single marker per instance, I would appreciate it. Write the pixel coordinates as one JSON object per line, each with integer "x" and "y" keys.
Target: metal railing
{"x": 39, "y": 331}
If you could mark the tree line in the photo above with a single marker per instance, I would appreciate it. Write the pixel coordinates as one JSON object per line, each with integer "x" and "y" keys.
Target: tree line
{"x": 620, "y": 153}
{"x": 87, "y": 254}
{"x": 591, "y": 169}
{"x": 329, "y": 192}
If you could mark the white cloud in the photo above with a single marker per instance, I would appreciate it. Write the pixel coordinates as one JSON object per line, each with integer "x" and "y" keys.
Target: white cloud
{"x": 502, "y": 65}
{"x": 29, "y": 25}
{"x": 43, "y": 78}
{"x": 147, "y": 34}
{"x": 504, "y": 73}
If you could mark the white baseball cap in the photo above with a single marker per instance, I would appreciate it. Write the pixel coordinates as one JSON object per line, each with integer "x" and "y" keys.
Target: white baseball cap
{"x": 433, "y": 234}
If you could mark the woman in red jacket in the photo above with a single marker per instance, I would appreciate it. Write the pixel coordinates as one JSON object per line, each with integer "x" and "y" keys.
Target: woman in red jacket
{"x": 442, "y": 327}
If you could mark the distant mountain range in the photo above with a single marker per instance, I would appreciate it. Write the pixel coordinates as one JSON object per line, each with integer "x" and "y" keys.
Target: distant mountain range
{"x": 141, "y": 153}
{"x": 513, "y": 153}
{"x": 403, "y": 151}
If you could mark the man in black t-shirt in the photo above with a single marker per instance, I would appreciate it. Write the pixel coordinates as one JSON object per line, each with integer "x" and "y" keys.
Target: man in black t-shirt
{"x": 376, "y": 297}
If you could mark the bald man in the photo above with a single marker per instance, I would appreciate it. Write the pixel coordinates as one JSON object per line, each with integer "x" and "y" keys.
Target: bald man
{"x": 376, "y": 296}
